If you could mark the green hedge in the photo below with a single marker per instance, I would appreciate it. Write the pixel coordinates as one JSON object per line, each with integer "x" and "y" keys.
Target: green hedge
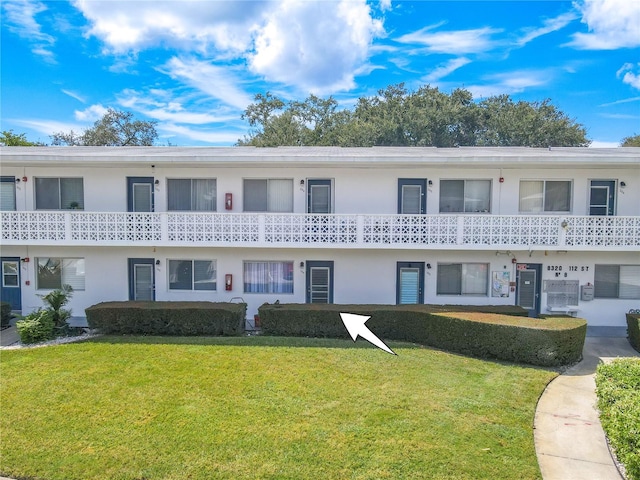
{"x": 633, "y": 330}
{"x": 5, "y": 314}
{"x": 499, "y": 332}
{"x": 168, "y": 318}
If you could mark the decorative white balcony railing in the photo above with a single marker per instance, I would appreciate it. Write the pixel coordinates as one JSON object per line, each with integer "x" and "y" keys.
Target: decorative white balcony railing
{"x": 302, "y": 230}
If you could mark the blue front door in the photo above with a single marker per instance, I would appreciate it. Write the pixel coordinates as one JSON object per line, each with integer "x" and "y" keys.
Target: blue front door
{"x": 10, "y": 292}
{"x": 410, "y": 283}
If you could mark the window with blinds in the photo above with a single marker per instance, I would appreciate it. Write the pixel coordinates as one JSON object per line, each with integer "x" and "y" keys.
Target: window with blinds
{"x": 462, "y": 279}
{"x": 192, "y": 194}
{"x": 7, "y": 193}
{"x": 465, "y": 196}
{"x": 59, "y": 194}
{"x": 53, "y": 273}
{"x": 268, "y": 195}
{"x": 617, "y": 281}
{"x": 537, "y": 196}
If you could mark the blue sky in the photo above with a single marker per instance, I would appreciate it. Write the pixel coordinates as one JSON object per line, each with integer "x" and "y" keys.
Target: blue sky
{"x": 194, "y": 66}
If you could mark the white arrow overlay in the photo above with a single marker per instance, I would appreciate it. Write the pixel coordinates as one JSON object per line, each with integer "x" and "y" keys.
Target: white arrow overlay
{"x": 355, "y": 325}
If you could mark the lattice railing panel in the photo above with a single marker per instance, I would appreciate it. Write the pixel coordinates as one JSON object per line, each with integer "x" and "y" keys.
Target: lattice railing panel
{"x": 115, "y": 227}
{"x": 25, "y": 226}
{"x": 516, "y": 230}
{"x": 213, "y": 227}
{"x": 410, "y": 229}
{"x": 603, "y": 231}
{"x": 292, "y": 228}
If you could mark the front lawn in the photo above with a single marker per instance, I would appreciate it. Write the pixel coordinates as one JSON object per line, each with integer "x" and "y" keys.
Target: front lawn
{"x": 263, "y": 407}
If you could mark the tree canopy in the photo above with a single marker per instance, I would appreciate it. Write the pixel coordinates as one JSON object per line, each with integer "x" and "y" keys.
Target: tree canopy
{"x": 10, "y": 139}
{"x": 399, "y": 117}
{"x": 632, "y": 141}
{"x": 115, "y": 128}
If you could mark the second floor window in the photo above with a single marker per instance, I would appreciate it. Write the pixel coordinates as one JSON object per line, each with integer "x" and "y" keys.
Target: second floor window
{"x": 268, "y": 195}
{"x": 192, "y": 194}
{"x": 59, "y": 194}
{"x": 7, "y": 193}
{"x": 468, "y": 196}
{"x": 538, "y": 196}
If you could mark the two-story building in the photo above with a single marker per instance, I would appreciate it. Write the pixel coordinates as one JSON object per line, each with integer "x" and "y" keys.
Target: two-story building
{"x": 552, "y": 230}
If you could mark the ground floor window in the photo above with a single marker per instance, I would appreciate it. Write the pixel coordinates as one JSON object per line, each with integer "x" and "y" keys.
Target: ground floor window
{"x": 462, "y": 278}
{"x": 617, "y": 281}
{"x": 53, "y": 273}
{"x": 268, "y": 277}
{"x": 192, "y": 275}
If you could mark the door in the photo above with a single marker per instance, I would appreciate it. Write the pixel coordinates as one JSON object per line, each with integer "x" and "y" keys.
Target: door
{"x": 410, "y": 283}
{"x": 319, "y": 282}
{"x": 140, "y": 194}
{"x": 142, "y": 279}
{"x": 528, "y": 282}
{"x": 411, "y": 195}
{"x": 319, "y": 196}
{"x": 602, "y": 200}
{"x": 10, "y": 292}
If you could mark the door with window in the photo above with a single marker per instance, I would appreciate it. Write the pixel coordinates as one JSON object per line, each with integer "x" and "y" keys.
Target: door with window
{"x": 410, "y": 283}
{"x": 411, "y": 196}
{"x": 10, "y": 292}
{"x": 319, "y": 196}
{"x": 140, "y": 194}
{"x": 602, "y": 197}
{"x": 319, "y": 282}
{"x": 142, "y": 279}
{"x": 528, "y": 283}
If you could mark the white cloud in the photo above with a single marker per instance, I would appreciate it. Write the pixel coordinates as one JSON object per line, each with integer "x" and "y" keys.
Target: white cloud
{"x": 550, "y": 25}
{"x": 599, "y": 144}
{"x": 510, "y": 82}
{"x": 618, "y": 102}
{"x": 48, "y": 127}
{"x": 209, "y": 135}
{"x": 20, "y": 18}
{"x": 217, "y": 82}
{"x": 90, "y": 114}
{"x": 445, "y": 69}
{"x": 315, "y": 46}
{"x": 612, "y": 24}
{"x": 75, "y": 95}
{"x": 454, "y": 42}
{"x": 629, "y": 76}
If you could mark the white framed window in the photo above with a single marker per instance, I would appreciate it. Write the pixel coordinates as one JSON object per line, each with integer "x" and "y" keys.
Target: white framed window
{"x": 192, "y": 275}
{"x": 538, "y": 196}
{"x": 59, "y": 193}
{"x": 268, "y": 195}
{"x": 467, "y": 196}
{"x": 462, "y": 279}
{"x": 191, "y": 194}
{"x": 52, "y": 273}
{"x": 617, "y": 281}
{"x": 268, "y": 277}
{"x": 7, "y": 193}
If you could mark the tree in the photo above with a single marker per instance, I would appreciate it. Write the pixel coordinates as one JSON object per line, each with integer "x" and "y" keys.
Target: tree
{"x": 632, "y": 141}
{"x": 10, "y": 139}
{"x": 115, "y": 128}
{"x": 398, "y": 117}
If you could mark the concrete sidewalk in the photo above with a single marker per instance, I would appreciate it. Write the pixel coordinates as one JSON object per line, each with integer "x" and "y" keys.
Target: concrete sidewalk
{"x": 569, "y": 439}
{"x": 9, "y": 336}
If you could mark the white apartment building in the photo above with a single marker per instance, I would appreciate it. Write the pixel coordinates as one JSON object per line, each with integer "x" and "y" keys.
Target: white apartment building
{"x": 552, "y": 230}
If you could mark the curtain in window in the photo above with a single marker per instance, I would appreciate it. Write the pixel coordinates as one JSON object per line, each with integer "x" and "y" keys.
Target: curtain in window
{"x": 268, "y": 277}
{"x": 531, "y": 196}
{"x": 7, "y": 194}
{"x": 71, "y": 194}
{"x": 47, "y": 194}
{"x": 557, "y": 196}
{"x": 280, "y": 195}
{"x": 477, "y": 195}
{"x": 474, "y": 278}
{"x": 255, "y": 195}
{"x": 451, "y": 196}
{"x": 203, "y": 195}
{"x": 629, "y": 281}
{"x": 179, "y": 194}
{"x": 73, "y": 272}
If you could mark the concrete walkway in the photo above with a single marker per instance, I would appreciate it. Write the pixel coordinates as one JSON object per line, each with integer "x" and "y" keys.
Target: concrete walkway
{"x": 569, "y": 439}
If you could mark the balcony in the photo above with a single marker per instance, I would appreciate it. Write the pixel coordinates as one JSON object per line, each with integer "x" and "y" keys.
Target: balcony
{"x": 455, "y": 232}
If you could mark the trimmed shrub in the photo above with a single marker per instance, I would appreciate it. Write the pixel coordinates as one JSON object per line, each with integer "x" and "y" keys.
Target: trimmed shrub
{"x": 489, "y": 333}
{"x": 36, "y": 327}
{"x": 5, "y": 314}
{"x": 168, "y": 318}
{"x": 633, "y": 330}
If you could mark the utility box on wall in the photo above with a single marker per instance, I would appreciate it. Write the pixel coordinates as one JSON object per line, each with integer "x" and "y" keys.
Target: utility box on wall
{"x": 586, "y": 293}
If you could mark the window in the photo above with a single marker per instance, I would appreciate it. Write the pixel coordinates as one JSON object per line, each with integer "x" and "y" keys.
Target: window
{"x": 545, "y": 196}
{"x": 192, "y": 275}
{"x": 192, "y": 195}
{"x": 466, "y": 196}
{"x": 55, "y": 272}
{"x": 617, "y": 281}
{"x": 268, "y": 195}
{"x": 268, "y": 277}
{"x": 7, "y": 193}
{"x": 59, "y": 194}
{"x": 462, "y": 278}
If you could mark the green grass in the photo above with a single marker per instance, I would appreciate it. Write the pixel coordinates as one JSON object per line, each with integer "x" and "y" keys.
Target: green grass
{"x": 618, "y": 391}
{"x": 263, "y": 407}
